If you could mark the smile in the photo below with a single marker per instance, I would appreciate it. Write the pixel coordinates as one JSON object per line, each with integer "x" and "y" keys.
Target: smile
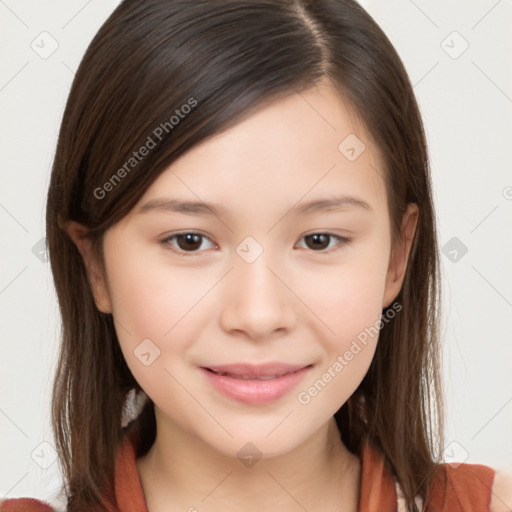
{"x": 255, "y": 385}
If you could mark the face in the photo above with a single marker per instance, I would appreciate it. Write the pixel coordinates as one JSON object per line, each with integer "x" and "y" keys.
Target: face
{"x": 267, "y": 274}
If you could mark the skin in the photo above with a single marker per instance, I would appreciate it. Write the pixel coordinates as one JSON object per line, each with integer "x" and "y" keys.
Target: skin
{"x": 295, "y": 303}
{"x": 501, "y": 495}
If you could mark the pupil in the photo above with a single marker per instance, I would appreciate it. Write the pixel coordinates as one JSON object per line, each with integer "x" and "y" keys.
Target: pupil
{"x": 320, "y": 238}
{"x": 190, "y": 238}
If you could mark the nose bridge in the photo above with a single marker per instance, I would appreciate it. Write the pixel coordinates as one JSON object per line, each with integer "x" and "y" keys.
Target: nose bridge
{"x": 256, "y": 277}
{"x": 258, "y": 302}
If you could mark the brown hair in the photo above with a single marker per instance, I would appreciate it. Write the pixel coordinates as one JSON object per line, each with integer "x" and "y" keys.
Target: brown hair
{"x": 230, "y": 58}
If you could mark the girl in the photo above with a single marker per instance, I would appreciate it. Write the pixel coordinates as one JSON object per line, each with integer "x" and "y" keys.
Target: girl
{"x": 242, "y": 237}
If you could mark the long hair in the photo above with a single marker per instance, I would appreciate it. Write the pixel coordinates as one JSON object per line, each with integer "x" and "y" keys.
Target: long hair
{"x": 224, "y": 60}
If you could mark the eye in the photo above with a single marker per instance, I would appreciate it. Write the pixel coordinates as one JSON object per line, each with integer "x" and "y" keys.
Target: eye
{"x": 188, "y": 242}
{"x": 320, "y": 241}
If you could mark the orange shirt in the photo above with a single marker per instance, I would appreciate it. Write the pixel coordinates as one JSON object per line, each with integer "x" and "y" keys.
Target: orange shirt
{"x": 465, "y": 488}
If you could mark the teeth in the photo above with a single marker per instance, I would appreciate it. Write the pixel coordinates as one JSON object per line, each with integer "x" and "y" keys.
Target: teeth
{"x": 269, "y": 377}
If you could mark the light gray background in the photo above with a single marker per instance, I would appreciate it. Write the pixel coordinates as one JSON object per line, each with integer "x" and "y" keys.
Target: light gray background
{"x": 466, "y": 101}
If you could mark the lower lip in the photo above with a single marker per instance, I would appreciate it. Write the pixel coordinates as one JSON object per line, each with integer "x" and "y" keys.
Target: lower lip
{"x": 253, "y": 391}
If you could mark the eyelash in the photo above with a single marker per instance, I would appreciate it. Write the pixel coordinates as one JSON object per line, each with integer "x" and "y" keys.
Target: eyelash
{"x": 166, "y": 242}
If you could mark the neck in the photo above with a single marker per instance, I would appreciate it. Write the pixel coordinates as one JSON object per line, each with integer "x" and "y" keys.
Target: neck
{"x": 184, "y": 471}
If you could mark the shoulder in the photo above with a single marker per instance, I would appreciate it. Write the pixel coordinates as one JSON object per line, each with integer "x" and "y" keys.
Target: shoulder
{"x": 25, "y": 505}
{"x": 501, "y": 493}
{"x": 462, "y": 487}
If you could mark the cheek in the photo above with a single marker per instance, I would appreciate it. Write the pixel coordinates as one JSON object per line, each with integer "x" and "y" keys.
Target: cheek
{"x": 156, "y": 302}
{"x": 348, "y": 302}
{"x": 350, "y": 310}
{"x": 347, "y": 298}
{"x": 146, "y": 302}
{"x": 170, "y": 306}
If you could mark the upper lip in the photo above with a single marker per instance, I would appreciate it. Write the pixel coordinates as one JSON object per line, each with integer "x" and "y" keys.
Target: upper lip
{"x": 262, "y": 370}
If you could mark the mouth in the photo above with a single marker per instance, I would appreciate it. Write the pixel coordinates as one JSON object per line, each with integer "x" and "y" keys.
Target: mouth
{"x": 253, "y": 384}
{"x": 260, "y": 372}
{"x": 248, "y": 377}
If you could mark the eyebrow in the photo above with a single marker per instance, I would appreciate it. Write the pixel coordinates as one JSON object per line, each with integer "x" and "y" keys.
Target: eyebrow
{"x": 197, "y": 208}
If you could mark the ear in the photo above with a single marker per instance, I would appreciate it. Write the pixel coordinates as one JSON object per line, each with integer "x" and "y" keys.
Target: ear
{"x": 78, "y": 233}
{"x": 400, "y": 255}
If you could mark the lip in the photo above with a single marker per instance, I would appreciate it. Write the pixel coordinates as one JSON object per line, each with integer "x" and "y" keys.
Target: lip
{"x": 255, "y": 384}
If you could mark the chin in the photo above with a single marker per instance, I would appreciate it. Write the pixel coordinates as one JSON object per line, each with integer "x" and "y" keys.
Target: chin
{"x": 250, "y": 443}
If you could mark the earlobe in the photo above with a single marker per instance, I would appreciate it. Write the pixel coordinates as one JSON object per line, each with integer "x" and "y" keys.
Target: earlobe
{"x": 78, "y": 234}
{"x": 400, "y": 255}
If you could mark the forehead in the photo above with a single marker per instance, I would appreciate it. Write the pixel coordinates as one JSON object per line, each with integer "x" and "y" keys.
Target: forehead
{"x": 306, "y": 146}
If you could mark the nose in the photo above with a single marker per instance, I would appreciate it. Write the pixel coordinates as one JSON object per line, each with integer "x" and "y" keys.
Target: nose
{"x": 257, "y": 301}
